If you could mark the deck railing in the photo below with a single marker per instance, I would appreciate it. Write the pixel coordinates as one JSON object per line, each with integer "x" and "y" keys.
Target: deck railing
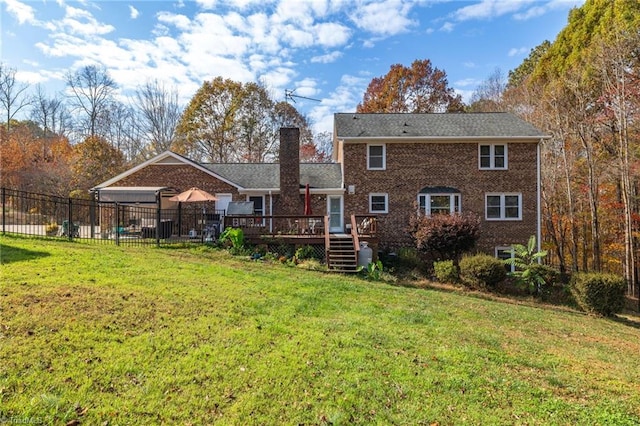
{"x": 310, "y": 226}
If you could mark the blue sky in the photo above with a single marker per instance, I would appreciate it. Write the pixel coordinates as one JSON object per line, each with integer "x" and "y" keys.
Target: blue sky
{"x": 323, "y": 49}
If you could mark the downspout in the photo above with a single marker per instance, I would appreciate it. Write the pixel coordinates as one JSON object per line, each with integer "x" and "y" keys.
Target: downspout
{"x": 270, "y": 212}
{"x": 539, "y": 196}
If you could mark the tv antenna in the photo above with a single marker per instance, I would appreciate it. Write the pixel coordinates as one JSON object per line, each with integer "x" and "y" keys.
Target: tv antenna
{"x": 291, "y": 96}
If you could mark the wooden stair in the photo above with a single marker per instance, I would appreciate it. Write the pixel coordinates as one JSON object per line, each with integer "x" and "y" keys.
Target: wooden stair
{"x": 341, "y": 254}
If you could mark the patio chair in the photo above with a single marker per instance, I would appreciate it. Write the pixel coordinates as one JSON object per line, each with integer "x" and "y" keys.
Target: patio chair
{"x": 70, "y": 230}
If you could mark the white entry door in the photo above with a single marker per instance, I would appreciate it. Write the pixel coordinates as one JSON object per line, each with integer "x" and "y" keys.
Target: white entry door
{"x": 335, "y": 207}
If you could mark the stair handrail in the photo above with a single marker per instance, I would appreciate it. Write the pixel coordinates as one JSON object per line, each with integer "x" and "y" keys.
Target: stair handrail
{"x": 354, "y": 235}
{"x": 327, "y": 239}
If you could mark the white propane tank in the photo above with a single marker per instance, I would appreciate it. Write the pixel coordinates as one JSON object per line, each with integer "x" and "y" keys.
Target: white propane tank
{"x": 365, "y": 256}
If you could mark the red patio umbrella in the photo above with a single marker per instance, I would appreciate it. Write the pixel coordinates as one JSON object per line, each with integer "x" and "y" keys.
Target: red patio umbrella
{"x": 307, "y": 201}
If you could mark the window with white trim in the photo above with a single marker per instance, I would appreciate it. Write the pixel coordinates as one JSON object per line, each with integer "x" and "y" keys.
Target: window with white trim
{"x": 376, "y": 157}
{"x": 378, "y": 203}
{"x": 504, "y": 253}
{"x": 503, "y": 206}
{"x": 431, "y": 204}
{"x": 492, "y": 157}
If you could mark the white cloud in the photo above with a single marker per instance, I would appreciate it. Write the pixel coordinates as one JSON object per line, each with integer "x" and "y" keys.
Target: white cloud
{"x": 22, "y": 12}
{"x": 521, "y": 9}
{"x": 344, "y": 98}
{"x": 331, "y": 34}
{"x": 488, "y": 9}
{"x": 447, "y": 27}
{"x": 466, "y": 82}
{"x": 327, "y": 59}
{"x": 518, "y": 51}
{"x": 81, "y": 22}
{"x": 133, "y": 12}
{"x": 206, "y": 4}
{"x": 181, "y": 22}
{"x": 388, "y": 17}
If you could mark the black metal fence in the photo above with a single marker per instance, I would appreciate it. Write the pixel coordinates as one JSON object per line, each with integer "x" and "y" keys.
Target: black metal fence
{"x": 50, "y": 216}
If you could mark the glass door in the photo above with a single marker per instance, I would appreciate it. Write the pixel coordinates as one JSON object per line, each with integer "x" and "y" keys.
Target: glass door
{"x": 334, "y": 207}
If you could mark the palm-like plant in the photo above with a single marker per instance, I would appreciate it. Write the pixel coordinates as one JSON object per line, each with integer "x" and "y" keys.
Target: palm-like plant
{"x": 525, "y": 260}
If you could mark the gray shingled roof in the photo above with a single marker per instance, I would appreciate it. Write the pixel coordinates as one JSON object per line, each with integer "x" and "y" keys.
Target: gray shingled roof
{"x": 447, "y": 125}
{"x": 267, "y": 175}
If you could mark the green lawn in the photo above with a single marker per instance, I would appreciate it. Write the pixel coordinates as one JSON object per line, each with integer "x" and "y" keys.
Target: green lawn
{"x": 111, "y": 335}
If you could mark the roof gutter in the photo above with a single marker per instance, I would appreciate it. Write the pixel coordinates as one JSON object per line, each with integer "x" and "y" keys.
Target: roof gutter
{"x": 400, "y": 138}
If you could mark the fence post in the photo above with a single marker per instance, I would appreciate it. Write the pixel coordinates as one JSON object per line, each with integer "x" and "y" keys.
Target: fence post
{"x": 117, "y": 224}
{"x": 92, "y": 216}
{"x": 4, "y": 208}
{"x": 70, "y": 219}
{"x": 158, "y": 225}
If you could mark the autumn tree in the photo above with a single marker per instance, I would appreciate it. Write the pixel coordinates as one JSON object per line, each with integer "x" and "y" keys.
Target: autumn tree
{"x": 34, "y": 162}
{"x": 618, "y": 68}
{"x": 257, "y": 134}
{"x": 92, "y": 91}
{"x": 206, "y": 130}
{"x": 228, "y": 121}
{"x": 581, "y": 90}
{"x": 420, "y": 88}
{"x": 94, "y": 161}
{"x": 13, "y": 95}
{"x": 158, "y": 116}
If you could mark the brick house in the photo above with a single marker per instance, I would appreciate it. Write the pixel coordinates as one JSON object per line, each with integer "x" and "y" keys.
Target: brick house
{"x": 274, "y": 188}
{"x": 484, "y": 163}
{"x": 387, "y": 165}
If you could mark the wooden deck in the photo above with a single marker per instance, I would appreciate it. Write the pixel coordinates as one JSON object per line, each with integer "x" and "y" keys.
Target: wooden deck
{"x": 299, "y": 231}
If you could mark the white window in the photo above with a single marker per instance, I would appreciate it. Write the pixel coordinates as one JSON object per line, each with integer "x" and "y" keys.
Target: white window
{"x": 504, "y": 253}
{"x": 378, "y": 203}
{"x": 503, "y": 207}
{"x": 376, "y": 157}
{"x": 493, "y": 157}
{"x": 431, "y": 204}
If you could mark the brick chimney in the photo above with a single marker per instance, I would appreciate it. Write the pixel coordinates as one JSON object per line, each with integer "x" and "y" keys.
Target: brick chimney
{"x": 289, "y": 202}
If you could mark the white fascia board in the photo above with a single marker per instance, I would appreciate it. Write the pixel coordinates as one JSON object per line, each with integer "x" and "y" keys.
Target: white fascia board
{"x": 179, "y": 160}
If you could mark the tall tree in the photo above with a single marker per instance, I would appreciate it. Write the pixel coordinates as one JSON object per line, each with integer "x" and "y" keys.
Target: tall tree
{"x": 415, "y": 89}
{"x": 257, "y": 133}
{"x": 207, "y": 126}
{"x": 580, "y": 89}
{"x": 159, "y": 113}
{"x": 13, "y": 95}
{"x": 94, "y": 161}
{"x": 488, "y": 96}
{"x": 48, "y": 112}
{"x": 618, "y": 65}
{"x": 92, "y": 91}
{"x": 118, "y": 126}
{"x": 229, "y": 121}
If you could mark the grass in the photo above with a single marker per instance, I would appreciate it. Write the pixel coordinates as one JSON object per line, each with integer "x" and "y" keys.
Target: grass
{"x": 116, "y": 335}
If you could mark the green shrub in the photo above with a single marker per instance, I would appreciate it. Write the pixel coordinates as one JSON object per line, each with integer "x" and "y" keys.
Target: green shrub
{"x": 482, "y": 270}
{"x": 408, "y": 257}
{"x": 306, "y": 252}
{"x": 233, "y": 238}
{"x": 598, "y": 293}
{"x": 445, "y": 271}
